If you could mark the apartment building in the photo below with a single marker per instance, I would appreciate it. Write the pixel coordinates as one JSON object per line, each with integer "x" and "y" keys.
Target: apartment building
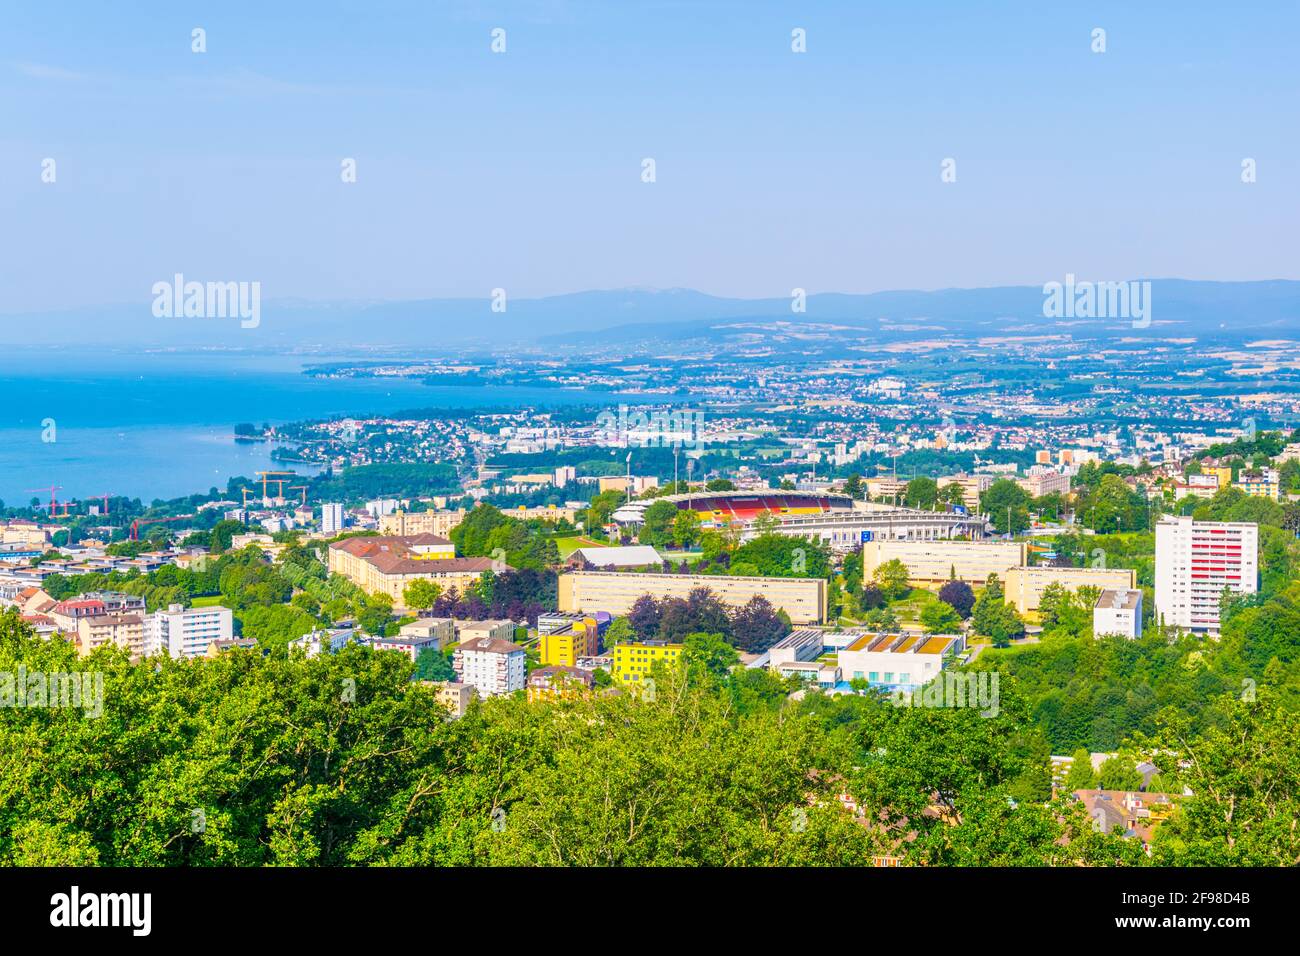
{"x": 387, "y": 564}
{"x": 562, "y": 647}
{"x": 186, "y": 632}
{"x": 634, "y": 660}
{"x": 408, "y": 523}
{"x": 1024, "y": 586}
{"x": 490, "y": 665}
{"x": 803, "y": 599}
{"x": 1045, "y": 482}
{"x": 331, "y": 519}
{"x": 124, "y": 630}
{"x": 934, "y": 562}
{"x": 560, "y": 682}
{"x": 637, "y": 484}
{"x": 66, "y": 614}
{"x": 441, "y": 631}
{"x": 1196, "y": 561}
{"x": 498, "y": 629}
{"x": 455, "y": 697}
{"x": 886, "y": 489}
{"x": 1260, "y": 483}
{"x": 1118, "y": 611}
{"x": 972, "y": 486}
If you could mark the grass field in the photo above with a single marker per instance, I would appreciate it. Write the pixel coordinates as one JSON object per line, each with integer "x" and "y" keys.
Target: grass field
{"x": 569, "y": 545}
{"x": 212, "y": 600}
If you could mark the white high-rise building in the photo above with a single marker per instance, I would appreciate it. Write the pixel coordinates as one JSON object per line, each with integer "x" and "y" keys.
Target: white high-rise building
{"x": 491, "y": 665}
{"x": 1195, "y": 562}
{"x": 331, "y": 518}
{"x": 186, "y": 632}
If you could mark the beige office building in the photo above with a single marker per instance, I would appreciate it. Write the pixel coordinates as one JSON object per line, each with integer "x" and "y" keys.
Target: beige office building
{"x": 405, "y": 523}
{"x": 386, "y": 565}
{"x": 1024, "y": 586}
{"x": 933, "y": 562}
{"x": 972, "y": 486}
{"x": 803, "y": 599}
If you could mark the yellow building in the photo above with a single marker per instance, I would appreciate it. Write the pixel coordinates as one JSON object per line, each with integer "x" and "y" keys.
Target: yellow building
{"x": 803, "y": 599}
{"x": 563, "y": 648}
{"x": 1260, "y": 483}
{"x": 633, "y": 662}
{"x": 559, "y": 683}
{"x": 1024, "y": 586}
{"x": 1222, "y": 472}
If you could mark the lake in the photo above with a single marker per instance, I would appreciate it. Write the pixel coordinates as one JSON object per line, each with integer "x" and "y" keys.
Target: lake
{"x": 160, "y": 425}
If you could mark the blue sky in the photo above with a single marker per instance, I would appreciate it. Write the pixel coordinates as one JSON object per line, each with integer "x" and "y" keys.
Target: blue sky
{"x": 774, "y": 170}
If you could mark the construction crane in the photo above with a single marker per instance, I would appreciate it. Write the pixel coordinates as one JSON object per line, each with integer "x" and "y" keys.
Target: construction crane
{"x": 245, "y": 492}
{"x": 303, "y": 489}
{"x": 53, "y": 500}
{"x": 135, "y": 525}
{"x": 104, "y": 498}
{"x": 280, "y": 482}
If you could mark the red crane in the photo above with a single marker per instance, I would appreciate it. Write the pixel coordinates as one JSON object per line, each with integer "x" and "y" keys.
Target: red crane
{"x": 53, "y": 500}
{"x": 104, "y": 498}
{"x": 135, "y": 525}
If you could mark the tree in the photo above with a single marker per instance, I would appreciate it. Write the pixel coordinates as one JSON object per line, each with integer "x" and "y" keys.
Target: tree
{"x": 872, "y": 597}
{"x": 1080, "y": 776}
{"x": 433, "y": 665}
{"x": 657, "y": 526}
{"x": 709, "y": 653}
{"x": 992, "y": 617}
{"x": 645, "y": 616}
{"x": 686, "y": 528}
{"x": 756, "y": 625}
{"x": 959, "y": 595}
{"x": 882, "y": 619}
{"x": 1118, "y": 773}
{"x": 619, "y": 632}
{"x": 892, "y": 579}
{"x": 421, "y": 594}
{"x": 222, "y": 534}
{"x": 719, "y": 484}
{"x": 1001, "y": 495}
{"x": 374, "y": 613}
{"x": 938, "y": 617}
{"x": 921, "y": 492}
{"x": 853, "y": 486}
{"x": 952, "y": 494}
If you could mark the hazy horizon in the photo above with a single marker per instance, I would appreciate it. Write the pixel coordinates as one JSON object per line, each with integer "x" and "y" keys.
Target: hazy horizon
{"x": 523, "y": 170}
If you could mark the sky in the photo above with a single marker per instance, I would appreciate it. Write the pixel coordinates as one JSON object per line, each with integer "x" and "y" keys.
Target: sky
{"x": 523, "y": 170}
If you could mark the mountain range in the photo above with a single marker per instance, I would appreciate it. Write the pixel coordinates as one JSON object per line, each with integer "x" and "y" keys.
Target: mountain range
{"x": 1179, "y": 308}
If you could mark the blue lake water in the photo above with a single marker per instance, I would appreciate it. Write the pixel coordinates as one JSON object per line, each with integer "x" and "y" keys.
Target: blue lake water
{"x": 161, "y": 425}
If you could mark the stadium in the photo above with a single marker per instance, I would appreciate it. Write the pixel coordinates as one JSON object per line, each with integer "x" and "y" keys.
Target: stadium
{"x": 722, "y": 508}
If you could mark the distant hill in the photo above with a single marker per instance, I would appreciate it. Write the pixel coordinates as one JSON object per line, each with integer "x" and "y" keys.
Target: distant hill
{"x": 1180, "y": 307}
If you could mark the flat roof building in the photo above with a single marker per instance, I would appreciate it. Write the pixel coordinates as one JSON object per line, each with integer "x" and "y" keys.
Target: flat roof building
{"x": 1024, "y": 585}
{"x": 1118, "y": 611}
{"x": 937, "y": 561}
{"x": 803, "y": 599}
